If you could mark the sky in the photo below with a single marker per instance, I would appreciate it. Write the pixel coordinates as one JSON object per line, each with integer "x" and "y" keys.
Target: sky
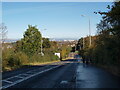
{"x": 60, "y": 19}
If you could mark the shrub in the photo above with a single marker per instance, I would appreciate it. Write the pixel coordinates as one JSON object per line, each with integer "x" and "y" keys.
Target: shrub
{"x": 18, "y": 59}
{"x": 13, "y": 59}
{"x": 54, "y": 57}
{"x": 46, "y": 58}
{"x": 36, "y": 58}
{"x": 6, "y": 55}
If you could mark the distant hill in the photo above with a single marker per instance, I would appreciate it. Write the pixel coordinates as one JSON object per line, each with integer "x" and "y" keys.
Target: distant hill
{"x": 51, "y": 39}
{"x": 11, "y": 40}
{"x": 62, "y": 39}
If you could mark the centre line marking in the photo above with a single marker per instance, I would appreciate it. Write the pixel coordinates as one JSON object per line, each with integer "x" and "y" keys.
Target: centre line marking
{"x": 7, "y": 81}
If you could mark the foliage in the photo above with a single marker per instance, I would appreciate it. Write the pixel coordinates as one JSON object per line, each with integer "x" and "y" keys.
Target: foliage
{"x": 6, "y": 55}
{"x": 109, "y": 35}
{"x": 31, "y": 42}
{"x": 65, "y": 51}
{"x": 27, "y": 50}
{"x": 46, "y": 43}
{"x": 13, "y": 59}
{"x": 105, "y": 47}
{"x": 46, "y": 58}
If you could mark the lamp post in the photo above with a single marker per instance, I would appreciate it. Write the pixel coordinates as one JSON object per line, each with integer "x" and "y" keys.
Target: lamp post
{"x": 41, "y": 48}
{"x": 89, "y": 31}
{"x": 42, "y": 43}
{"x": 83, "y": 43}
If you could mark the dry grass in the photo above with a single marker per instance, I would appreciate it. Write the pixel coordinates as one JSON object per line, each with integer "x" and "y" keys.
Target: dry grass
{"x": 43, "y": 63}
{"x": 67, "y": 58}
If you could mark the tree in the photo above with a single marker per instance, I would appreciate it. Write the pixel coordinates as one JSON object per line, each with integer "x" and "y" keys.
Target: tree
{"x": 110, "y": 36}
{"x": 3, "y": 36}
{"x": 63, "y": 52}
{"x": 31, "y": 42}
{"x": 54, "y": 47}
{"x": 46, "y": 43}
{"x": 105, "y": 48}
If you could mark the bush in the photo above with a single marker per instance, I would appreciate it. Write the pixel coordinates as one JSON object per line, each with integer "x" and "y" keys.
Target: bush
{"x": 36, "y": 58}
{"x": 54, "y": 57}
{"x": 46, "y": 58}
{"x": 6, "y": 55}
{"x": 21, "y": 58}
{"x": 18, "y": 59}
{"x": 13, "y": 59}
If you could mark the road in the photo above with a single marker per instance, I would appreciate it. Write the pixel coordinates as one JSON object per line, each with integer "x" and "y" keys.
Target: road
{"x": 66, "y": 74}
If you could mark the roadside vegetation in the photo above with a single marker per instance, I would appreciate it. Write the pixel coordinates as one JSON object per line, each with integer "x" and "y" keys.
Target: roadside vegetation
{"x": 27, "y": 51}
{"x": 105, "y": 48}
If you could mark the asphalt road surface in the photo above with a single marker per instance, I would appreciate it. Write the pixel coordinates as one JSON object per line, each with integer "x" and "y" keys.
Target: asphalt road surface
{"x": 64, "y": 74}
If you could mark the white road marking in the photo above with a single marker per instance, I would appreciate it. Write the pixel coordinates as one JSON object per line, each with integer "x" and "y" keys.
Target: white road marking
{"x": 18, "y": 81}
{"x": 63, "y": 82}
{"x": 18, "y": 76}
{"x": 24, "y": 74}
{"x": 7, "y": 81}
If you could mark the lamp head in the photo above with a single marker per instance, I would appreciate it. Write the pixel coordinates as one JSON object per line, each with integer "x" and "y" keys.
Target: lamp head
{"x": 83, "y": 15}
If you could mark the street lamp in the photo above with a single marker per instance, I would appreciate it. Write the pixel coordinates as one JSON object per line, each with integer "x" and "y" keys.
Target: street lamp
{"x": 42, "y": 43}
{"x": 89, "y": 30}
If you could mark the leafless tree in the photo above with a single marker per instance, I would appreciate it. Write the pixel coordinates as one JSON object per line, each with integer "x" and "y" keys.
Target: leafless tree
{"x": 3, "y": 32}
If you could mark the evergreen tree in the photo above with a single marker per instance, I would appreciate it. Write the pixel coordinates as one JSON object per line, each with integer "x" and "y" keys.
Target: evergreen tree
{"x": 31, "y": 41}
